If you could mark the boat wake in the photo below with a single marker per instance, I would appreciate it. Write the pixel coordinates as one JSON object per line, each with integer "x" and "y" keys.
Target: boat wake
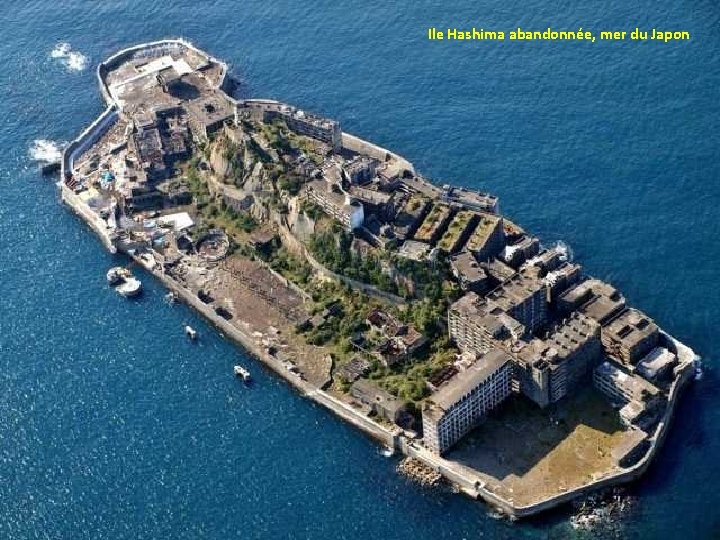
{"x": 72, "y": 60}
{"x": 44, "y": 151}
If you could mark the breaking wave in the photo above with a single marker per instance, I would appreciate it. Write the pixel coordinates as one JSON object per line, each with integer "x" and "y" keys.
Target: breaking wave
{"x": 564, "y": 250}
{"x": 44, "y": 151}
{"x": 71, "y": 59}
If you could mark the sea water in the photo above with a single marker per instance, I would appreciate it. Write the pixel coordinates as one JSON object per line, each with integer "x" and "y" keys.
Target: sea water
{"x": 114, "y": 425}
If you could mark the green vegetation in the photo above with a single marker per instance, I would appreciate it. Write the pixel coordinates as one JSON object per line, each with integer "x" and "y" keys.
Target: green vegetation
{"x": 432, "y": 222}
{"x": 289, "y": 266}
{"x": 312, "y": 210}
{"x": 455, "y": 230}
{"x": 409, "y": 381}
{"x": 384, "y": 270}
{"x": 332, "y": 249}
{"x": 290, "y": 183}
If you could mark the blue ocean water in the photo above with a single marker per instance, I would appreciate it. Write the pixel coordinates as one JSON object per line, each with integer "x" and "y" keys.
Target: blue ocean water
{"x": 113, "y": 426}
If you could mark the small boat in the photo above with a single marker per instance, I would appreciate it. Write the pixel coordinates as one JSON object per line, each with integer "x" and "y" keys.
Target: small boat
{"x": 190, "y": 332}
{"x": 129, "y": 288}
{"x": 386, "y": 452}
{"x": 117, "y": 275}
{"x": 242, "y": 372}
{"x": 171, "y": 297}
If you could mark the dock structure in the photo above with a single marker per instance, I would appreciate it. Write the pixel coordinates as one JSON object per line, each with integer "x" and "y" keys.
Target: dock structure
{"x": 527, "y": 323}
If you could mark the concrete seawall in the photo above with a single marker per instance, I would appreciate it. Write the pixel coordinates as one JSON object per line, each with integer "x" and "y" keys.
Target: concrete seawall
{"x": 356, "y": 144}
{"x": 465, "y": 479}
{"x": 154, "y": 48}
{"x": 93, "y": 220}
{"x": 626, "y": 475}
{"x": 248, "y": 342}
{"x": 86, "y": 139}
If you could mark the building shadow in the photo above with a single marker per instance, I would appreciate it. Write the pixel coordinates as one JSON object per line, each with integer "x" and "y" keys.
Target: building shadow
{"x": 517, "y": 436}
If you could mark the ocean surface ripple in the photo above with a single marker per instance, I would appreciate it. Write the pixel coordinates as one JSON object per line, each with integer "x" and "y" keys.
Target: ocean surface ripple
{"x": 115, "y": 426}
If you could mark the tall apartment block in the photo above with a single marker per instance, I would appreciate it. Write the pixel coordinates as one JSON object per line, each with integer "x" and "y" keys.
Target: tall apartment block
{"x": 461, "y": 403}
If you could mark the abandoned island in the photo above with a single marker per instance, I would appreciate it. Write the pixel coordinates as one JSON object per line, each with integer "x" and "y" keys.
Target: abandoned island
{"x": 417, "y": 312}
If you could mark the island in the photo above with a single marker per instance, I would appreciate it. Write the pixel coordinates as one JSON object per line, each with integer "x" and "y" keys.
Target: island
{"x": 415, "y": 311}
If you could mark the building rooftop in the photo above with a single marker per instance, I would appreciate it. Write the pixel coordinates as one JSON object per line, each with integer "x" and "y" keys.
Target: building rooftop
{"x": 655, "y": 362}
{"x": 455, "y": 231}
{"x": 433, "y": 222}
{"x": 465, "y": 381}
{"x": 485, "y": 227}
{"x": 474, "y": 200}
{"x": 414, "y": 250}
{"x": 631, "y": 327}
{"x": 371, "y": 196}
{"x": 594, "y": 298}
{"x": 562, "y": 341}
{"x": 489, "y": 316}
{"x": 465, "y": 267}
{"x": 371, "y": 393}
{"x": 516, "y": 290}
{"x": 640, "y": 388}
{"x": 498, "y": 270}
{"x": 546, "y": 261}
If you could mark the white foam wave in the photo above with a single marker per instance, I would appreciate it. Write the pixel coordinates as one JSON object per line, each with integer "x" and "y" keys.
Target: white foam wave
{"x": 71, "y": 59}
{"x": 564, "y": 250}
{"x": 45, "y": 151}
{"x": 61, "y": 50}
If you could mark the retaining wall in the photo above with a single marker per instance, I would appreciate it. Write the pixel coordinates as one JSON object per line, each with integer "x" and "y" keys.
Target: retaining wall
{"x": 86, "y": 140}
{"x": 357, "y": 418}
{"x": 288, "y": 238}
{"x": 468, "y": 482}
{"x": 356, "y": 144}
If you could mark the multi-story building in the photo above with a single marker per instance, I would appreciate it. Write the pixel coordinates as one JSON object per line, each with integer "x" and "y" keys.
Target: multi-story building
{"x": 524, "y": 298}
{"x": 361, "y": 169}
{"x": 520, "y": 251}
{"x": 559, "y": 280}
{"x": 476, "y": 325}
{"x": 469, "y": 273}
{"x": 310, "y": 125}
{"x": 378, "y": 401}
{"x": 488, "y": 238}
{"x": 594, "y": 298}
{"x": 461, "y": 403}
{"x": 552, "y": 268}
{"x": 630, "y": 336}
{"x": 549, "y": 369}
{"x": 471, "y": 200}
{"x": 335, "y": 203}
{"x": 641, "y": 398}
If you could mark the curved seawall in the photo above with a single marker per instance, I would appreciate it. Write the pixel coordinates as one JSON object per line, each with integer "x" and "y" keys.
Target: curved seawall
{"x": 467, "y": 480}
{"x": 153, "y": 49}
{"x": 86, "y": 139}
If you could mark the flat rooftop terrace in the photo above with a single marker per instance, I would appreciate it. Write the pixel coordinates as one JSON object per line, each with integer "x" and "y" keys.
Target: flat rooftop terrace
{"x": 137, "y": 81}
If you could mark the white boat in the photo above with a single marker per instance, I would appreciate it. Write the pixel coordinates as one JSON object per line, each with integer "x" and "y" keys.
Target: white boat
{"x": 242, "y": 372}
{"x": 129, "y": 287}
{"x": 171, "y": 297}
{"x": 116, "y": 275}
{"x": 190, "y": 331}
